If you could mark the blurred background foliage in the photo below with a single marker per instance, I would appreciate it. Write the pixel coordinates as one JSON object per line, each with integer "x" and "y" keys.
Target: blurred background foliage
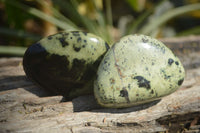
{"x": 24, "y": 22}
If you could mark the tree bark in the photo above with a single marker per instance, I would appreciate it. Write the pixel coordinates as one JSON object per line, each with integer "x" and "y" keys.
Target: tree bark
{"x": 26, "y": 108}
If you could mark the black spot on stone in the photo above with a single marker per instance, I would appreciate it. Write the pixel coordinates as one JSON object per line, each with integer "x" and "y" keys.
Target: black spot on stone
{"x": 164, "y": 75}
{"x": 152, "y": 92}
{"x": 49, "y": 37}
{"x": 152, "y": 63}
{"x": 83, "y": 46}
{"x": 77, "y": 49}
{"x": 71, "y": 37}
{"x": 156, "y": 94}
{"x": 129, "y": 86}
{"x": 160, "y": 48}
{"x": 180, "y": 81}
{"x": 107, "y": 46}
{"x": 85, "y": 33}
{"x": 98, "y": 87}
{"x": 63, "y": 42}
{"x": 163, "y": 50}
{"x": 158, "y": 45}
{"x": 177, "y": 63}
{"x": 167, "y": 76}
{"x": 170, "y": 61}
{"x": 85, "y": 41}
{"x": 75, "y": 33}
{"x": 145, "y": 40}
{"x": 123, "y": 93}
{"x": 77, "y": 62}
{"x": 142, "y": 82}
{"x": 65, "y": 34}
{"x": 79, "y": 39}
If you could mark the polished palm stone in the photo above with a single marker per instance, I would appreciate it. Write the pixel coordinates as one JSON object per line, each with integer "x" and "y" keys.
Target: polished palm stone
{"x": 136, "y": 70}
{"x": 65, "y": 63}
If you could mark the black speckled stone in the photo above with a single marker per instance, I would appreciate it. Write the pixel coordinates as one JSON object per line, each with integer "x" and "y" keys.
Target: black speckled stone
{"x": 60, "y": 73}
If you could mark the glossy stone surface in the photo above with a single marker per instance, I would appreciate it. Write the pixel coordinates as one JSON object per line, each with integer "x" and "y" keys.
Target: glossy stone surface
{"x": 65, "y": 63}
{"x": 136, "y": 70}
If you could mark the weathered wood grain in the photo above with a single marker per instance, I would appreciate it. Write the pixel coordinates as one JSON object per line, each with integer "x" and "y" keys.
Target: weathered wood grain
{"x": 26, "y": 108}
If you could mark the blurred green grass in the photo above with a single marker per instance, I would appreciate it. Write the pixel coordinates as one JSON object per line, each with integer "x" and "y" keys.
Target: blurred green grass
{"x": 98, "y": 17}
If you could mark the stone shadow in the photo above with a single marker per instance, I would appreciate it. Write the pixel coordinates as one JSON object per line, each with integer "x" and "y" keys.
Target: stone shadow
{"x": 21, "y": 81}
{"x": 88, "y": 103}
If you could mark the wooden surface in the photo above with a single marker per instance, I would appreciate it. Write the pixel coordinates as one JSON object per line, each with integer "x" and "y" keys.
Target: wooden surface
{"x": 26, "y": 108}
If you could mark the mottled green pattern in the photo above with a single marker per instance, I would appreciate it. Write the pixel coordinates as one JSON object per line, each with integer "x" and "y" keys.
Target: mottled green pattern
{"x": 75, "y": 45}
{"x": 136, "y": 70}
